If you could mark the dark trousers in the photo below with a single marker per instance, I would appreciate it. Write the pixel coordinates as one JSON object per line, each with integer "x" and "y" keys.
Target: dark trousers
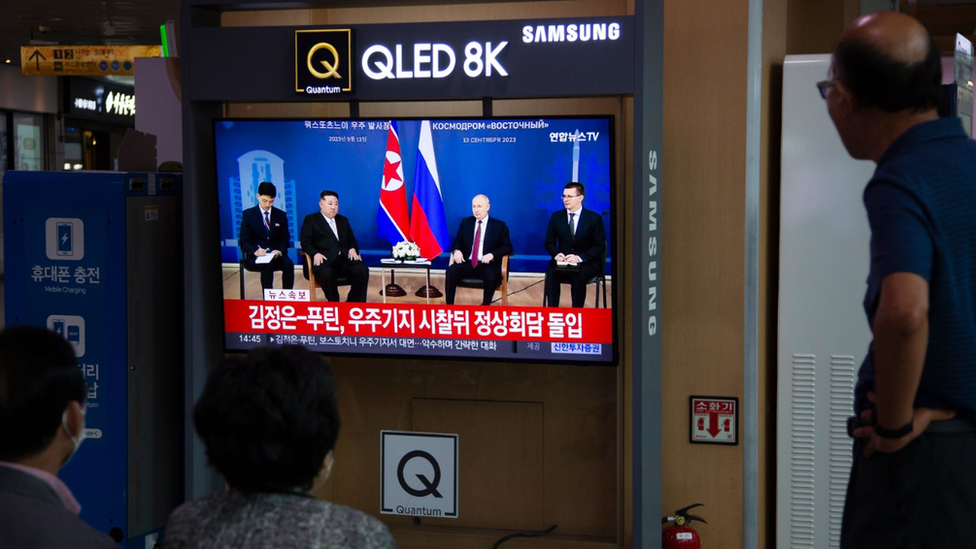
{"x": 267, "y": 270}
{"x": 576, "y": 278}
{"x": 923, "y": 496}
{"x": 491, "y": 274}
{"x": 355, "y": 271}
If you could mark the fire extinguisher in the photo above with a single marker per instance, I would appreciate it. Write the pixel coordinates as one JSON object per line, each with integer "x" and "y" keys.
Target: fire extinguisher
{"x": 681, "y": 535}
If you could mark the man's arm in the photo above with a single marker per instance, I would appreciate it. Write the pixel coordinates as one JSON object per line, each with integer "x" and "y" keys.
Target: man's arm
{"x": 458, "y": 242}
{"x": 503, "y": 245}
{"x": 552, "y": 237}
{"x": 598, "y": 245}
{"x": 245, "y": 237}
{"x": 353, "y": 253}
{"x": 901, "y": 333}
{"x": 282, "y": 239}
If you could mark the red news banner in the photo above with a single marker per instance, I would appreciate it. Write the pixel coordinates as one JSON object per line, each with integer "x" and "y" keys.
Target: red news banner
{"x": 430, "y": 321}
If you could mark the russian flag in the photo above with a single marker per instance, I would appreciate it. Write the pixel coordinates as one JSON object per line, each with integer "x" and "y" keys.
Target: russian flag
{"x": 428, "y": 226}
{"x": 392, "y": 219}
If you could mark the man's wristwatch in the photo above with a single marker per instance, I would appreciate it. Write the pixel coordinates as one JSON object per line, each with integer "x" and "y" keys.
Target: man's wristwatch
{"x": 895, "y": 433}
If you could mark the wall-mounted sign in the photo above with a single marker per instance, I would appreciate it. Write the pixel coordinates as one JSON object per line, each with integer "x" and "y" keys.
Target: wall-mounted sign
{"x": 83, "y": 60}
{"x": 466, "y": 59}
{"x": 323, "y": 61}
{"x": 96, "y": 99}
{"x": 419, "y": 476}
{"x": 715, "y": 420}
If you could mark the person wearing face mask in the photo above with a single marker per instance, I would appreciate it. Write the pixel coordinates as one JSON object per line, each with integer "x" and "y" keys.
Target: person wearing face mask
{"x": 42, "y": 422}
{"x": 269, "y": 421}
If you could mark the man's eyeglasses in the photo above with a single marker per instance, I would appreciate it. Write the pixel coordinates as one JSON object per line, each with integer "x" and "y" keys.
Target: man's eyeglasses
{"x": 571, "y": 196}
{"x": 823, "y": 85}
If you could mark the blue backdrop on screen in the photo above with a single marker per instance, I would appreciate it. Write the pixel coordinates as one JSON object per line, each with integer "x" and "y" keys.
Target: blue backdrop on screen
{"x": 520, "y": 164}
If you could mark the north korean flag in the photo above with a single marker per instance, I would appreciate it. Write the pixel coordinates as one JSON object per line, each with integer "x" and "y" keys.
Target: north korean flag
{"x": 392, "y": 219}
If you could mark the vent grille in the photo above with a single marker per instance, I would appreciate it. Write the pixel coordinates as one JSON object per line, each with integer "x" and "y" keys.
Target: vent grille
{"x": 803, "y": 449}
{"x": 841, "y": 407}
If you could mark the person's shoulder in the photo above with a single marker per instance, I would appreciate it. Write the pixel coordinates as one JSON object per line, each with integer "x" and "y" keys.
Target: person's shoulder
{"x": 39, "y": 523}
{"x": 370, "y": 531}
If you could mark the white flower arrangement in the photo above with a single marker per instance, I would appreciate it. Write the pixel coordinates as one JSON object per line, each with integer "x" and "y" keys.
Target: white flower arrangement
{"x": 406, "y": 250}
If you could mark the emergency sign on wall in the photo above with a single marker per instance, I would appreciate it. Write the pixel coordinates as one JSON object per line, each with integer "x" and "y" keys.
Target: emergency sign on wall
{"x": 714, "y": 420}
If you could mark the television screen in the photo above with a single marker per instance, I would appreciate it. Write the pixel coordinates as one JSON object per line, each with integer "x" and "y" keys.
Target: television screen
{"x": 356, "y": 236}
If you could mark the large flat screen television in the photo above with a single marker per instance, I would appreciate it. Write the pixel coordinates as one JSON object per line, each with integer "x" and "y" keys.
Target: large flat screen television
{"x": 413, "y": 180}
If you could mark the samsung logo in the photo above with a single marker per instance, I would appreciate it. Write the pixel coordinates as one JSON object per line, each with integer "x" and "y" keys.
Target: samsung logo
{"x": 585, "y": 32}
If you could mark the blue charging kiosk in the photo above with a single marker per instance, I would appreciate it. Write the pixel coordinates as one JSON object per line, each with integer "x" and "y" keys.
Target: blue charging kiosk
{"x": 96, "y": 257}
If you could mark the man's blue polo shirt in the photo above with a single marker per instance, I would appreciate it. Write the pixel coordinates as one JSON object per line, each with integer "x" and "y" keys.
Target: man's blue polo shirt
{"x": 921, "y": 206}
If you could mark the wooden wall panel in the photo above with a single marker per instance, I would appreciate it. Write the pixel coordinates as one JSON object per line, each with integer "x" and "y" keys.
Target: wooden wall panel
{"x": 578, "y": 441}
{"x": 500, "y": 459}
{"x": 702, "y": 251}
{"x": 812, "y": 26}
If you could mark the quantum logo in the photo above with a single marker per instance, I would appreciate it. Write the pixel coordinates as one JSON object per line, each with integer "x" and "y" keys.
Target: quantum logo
{"x": 323, "y": 61}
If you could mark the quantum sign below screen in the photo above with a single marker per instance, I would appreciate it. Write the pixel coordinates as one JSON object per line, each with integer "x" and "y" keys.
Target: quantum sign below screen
{"x": 521, "y": 165}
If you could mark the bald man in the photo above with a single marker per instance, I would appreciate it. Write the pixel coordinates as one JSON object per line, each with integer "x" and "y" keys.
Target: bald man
{"x": 913, "y": 481}
{"x": 478, "y": 248}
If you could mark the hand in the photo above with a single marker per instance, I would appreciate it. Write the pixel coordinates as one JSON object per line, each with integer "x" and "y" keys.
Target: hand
{"x": 487, "y": 258}
{"x": 560, "y": 257}
{"x": 318, "y": 259}
{"x": 456, "y": 257}
{"x": 573, "y": 259}
{"x": 353, "y": 255}
{"x": 921, "y": 419}
{"x": 276, "y": 253}
{"x": 260, "y": 252}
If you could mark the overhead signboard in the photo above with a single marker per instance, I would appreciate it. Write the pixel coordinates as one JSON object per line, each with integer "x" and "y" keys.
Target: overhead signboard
{"x": 469, "y": 59}
{"x": 83, "y": 60}
{"x": 88, "y": 98}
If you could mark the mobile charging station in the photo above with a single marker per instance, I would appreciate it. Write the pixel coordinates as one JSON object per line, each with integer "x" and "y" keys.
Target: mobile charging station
{"x": 97, "y": 258}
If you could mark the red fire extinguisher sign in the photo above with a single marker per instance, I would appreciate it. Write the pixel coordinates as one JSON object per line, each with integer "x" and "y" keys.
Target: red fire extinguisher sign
{"x": 715, "y": 420}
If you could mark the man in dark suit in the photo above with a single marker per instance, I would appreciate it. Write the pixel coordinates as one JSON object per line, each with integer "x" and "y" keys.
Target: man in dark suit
{"x": 328, "y": 239}
{"x": 42, "y": 424}
{"x": 264, "y": 232}
{"x": 478, "y": 248}
{"x": 577, "y": 242}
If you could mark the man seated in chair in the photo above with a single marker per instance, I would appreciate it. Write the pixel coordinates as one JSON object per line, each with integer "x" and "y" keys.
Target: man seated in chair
{"x": 328, "y": 239}
{"x": 478, "y": 248}
{"x": 264, "y": 231}
{"x": 575, "y": 237}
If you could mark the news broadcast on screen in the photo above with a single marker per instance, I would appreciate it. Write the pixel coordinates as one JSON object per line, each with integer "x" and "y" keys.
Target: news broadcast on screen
{"x": 483, "y": 238}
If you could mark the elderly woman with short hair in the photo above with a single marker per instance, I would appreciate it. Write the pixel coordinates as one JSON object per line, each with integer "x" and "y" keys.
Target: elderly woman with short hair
{"x": 269, "y": 421}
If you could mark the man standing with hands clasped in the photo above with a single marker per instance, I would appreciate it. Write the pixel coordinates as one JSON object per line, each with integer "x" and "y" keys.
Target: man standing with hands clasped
{"x": 913, "y": 482}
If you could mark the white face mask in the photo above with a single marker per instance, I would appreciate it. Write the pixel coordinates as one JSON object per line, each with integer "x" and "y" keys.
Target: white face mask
{"x": 81, "y": 432}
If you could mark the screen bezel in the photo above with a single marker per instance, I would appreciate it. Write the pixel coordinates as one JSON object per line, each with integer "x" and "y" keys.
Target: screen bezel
{"x": 615, "y": 267}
